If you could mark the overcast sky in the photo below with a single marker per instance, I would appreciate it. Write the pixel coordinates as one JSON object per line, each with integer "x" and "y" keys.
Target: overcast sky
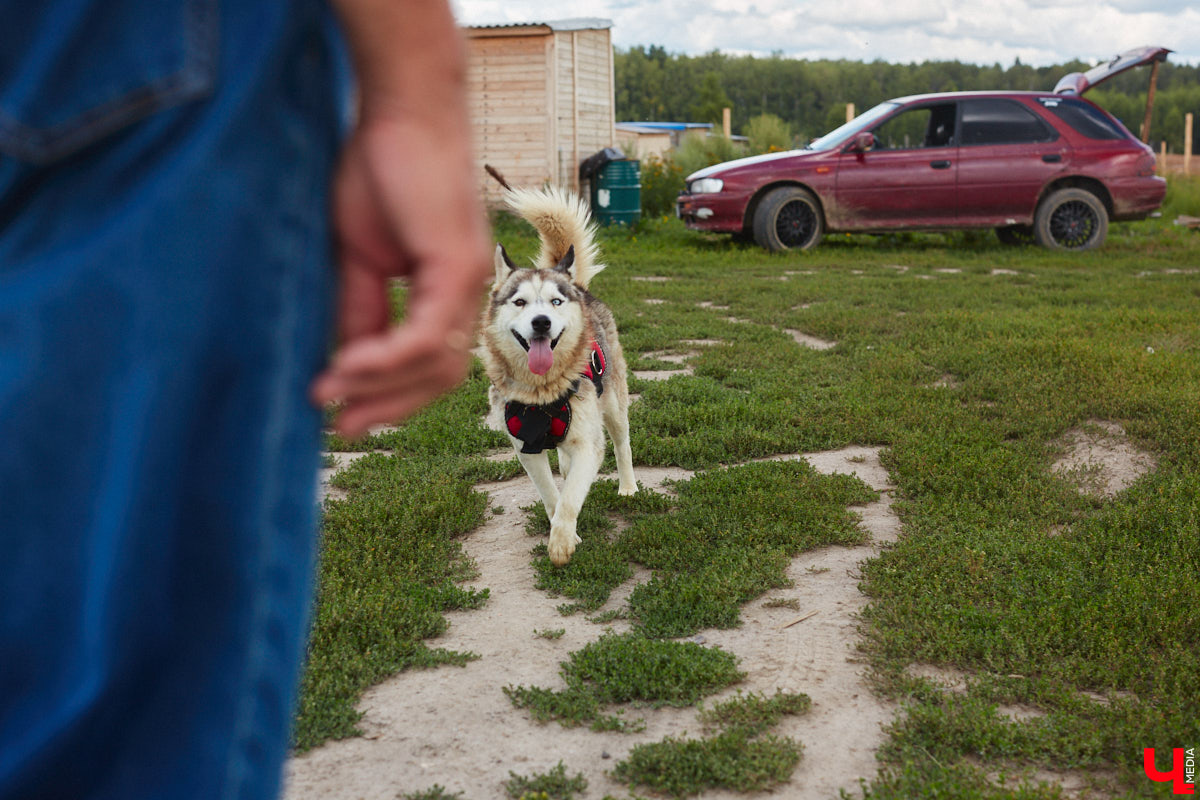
{"x": 1039, "y": 32}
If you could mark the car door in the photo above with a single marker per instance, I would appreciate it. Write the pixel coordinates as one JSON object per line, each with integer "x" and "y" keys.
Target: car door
{"x": 1006, "y": 154}
{"x": 906, "y": 179}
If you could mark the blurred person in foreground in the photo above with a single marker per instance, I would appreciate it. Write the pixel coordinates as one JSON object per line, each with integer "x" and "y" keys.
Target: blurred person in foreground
{"x": 169, "y": 174}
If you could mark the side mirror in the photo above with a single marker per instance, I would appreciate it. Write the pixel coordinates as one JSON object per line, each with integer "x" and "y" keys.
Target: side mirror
{"x": 863, "y": 142}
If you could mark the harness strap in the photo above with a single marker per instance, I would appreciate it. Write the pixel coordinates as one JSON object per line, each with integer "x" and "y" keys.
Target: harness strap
{"x": 543, "y": 427}
{"x": 596, "y": 367}
{"x": 539, "y": 427}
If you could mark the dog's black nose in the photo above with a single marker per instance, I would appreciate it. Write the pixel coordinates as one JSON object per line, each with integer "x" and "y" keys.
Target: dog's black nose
{"x": 541, "y": 325}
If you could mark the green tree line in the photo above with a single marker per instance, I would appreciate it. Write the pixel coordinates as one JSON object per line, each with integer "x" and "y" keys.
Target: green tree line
{"x": 811, "y": 96}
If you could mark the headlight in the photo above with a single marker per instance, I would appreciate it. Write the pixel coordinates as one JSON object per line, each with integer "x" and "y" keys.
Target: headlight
{"x": 707, "y": 186}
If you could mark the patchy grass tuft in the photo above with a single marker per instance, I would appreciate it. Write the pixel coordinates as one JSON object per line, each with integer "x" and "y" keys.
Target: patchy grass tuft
{"x": 738, "y": 756}
{"x": 435, "y": 792}
{"x": 552, "y": 785}
{"x": 628, "y": 668}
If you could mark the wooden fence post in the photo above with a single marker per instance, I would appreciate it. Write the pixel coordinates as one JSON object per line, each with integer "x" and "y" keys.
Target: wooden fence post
{"x": 1187, "y": 144}
{"x": 849, "y": 111}
{"x": 726, "y": 118}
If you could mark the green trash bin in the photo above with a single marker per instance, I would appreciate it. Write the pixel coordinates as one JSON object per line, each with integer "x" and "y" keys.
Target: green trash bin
{"x": 617, "y": 193}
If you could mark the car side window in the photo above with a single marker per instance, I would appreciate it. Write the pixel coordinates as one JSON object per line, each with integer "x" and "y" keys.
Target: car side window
{"x": 1000, "y": 121}
{"x": 915, "y": 128}
{"x": 1084, "y": 118}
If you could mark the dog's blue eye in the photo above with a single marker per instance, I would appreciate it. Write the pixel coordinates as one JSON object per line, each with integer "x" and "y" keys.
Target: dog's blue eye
{"x": 556, "y": 302}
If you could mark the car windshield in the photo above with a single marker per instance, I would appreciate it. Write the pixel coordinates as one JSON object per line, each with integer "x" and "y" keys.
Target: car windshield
{"x": 864, "y": 120}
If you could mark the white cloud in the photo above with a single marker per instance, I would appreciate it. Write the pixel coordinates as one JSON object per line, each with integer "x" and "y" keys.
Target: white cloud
{"x": 1038, "y": 32}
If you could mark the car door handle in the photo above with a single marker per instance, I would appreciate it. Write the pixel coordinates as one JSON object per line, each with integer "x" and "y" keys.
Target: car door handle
{"x": 940, "y": 164}
{"x": 1052, "y": 158}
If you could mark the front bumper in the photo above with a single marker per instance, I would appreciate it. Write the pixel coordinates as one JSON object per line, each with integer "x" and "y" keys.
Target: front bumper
{"x": 720, "y": 212}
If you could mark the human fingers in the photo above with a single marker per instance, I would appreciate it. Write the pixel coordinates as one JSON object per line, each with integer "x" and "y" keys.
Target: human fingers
{"x": 403, "y": 369}
{"x": 402, "y": 357}
{"x": 364, "y": 304}
{"x": 356, "y": 419}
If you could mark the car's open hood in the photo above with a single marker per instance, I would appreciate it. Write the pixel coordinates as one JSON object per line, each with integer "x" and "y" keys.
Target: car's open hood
{"x": 1080, "y": 82}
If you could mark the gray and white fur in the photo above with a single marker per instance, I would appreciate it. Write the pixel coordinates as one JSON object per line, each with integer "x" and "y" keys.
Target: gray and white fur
{"x": 538, "y": 331}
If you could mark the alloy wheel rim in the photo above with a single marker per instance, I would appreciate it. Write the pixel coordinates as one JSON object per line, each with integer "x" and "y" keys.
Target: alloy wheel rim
{"x": 1073, "y": 224}
{"x": 795, "y": 224}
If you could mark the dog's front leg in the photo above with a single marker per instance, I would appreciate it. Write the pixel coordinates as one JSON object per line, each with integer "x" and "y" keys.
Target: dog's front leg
{"x": 537, "y": 465}
{"x": 585, "y": 465}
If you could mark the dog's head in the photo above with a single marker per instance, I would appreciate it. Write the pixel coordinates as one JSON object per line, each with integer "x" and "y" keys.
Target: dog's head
{"x": 535, "y": 313}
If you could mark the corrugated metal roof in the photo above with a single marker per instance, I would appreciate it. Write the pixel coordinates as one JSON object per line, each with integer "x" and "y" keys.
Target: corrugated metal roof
{"x": 575, "y": 24}
{"x": 669, "y": 126}
{"x": 633, "y": 127}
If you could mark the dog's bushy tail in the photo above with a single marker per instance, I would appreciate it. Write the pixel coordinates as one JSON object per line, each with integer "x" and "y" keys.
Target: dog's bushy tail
{"x": 562, "y": 220}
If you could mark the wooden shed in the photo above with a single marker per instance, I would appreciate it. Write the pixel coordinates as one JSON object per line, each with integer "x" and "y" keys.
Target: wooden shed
{"x": 541, "y": 99}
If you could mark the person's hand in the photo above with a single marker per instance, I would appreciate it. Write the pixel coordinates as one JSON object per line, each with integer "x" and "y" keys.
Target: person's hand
{"x": 405, "y": 204}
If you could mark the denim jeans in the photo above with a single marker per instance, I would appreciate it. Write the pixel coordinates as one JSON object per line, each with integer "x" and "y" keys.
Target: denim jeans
{"x": 165, "y": 291}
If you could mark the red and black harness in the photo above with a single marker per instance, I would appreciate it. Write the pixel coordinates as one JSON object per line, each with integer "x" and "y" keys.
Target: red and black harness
{"x": 544, "y": 427}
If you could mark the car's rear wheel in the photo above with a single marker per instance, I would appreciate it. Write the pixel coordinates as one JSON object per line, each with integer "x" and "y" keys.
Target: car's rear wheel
{"x": 1016, "y": 234}
{"x": 788, "y": 218}
{"x": 1071, "y": 219}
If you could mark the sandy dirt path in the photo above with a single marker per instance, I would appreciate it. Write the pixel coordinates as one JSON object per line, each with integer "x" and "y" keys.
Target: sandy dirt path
{"x": 455, "y": 727}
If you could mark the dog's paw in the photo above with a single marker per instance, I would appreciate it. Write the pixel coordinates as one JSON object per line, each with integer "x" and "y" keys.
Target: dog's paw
{"x": 627, "y": 489}
{"x": 562, "y": 546}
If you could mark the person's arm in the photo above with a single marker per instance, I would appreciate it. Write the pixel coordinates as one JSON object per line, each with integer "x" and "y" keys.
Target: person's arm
{"x": 405, "y": 203}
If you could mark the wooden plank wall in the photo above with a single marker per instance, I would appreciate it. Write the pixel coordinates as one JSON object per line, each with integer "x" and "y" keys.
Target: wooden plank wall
{"x": 539, "y": 103}
{"x": 508, "y": 92}
{"x": 585, "y": 99}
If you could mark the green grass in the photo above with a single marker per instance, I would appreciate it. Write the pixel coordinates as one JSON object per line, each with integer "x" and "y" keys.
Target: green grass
{"x": 552, "y": 785}
{"x": 435, "y": 792}
{"x": 740, "y": 755}
{"x": 628, "y": 668}
{"x": 754, "y": 713}
{"x": 967, "y": 379}
{"x": 725, "y": 539}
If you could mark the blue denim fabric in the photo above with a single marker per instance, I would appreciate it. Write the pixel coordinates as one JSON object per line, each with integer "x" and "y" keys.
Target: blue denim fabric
{"x": 164, "y": 302}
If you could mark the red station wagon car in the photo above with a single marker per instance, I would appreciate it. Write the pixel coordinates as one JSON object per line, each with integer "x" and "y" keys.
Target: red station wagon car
{"x": 1045, "y": 166}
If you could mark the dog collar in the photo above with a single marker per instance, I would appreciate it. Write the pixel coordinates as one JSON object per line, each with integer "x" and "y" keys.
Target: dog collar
{"x": 543, "y": 427}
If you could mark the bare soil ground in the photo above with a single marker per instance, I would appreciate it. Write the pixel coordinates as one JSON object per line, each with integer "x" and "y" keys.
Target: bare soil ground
{"x": 1101, "y": 459}
{"x": 455, "y": 727}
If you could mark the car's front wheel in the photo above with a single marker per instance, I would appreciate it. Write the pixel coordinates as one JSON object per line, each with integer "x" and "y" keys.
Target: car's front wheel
{"x": 788, "y": 218}
{"x": 1071, "y": 219}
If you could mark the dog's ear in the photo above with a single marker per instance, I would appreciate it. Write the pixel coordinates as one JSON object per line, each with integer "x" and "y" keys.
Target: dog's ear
{"x": 566, "y": 264}
{"x": 504, "y": 265}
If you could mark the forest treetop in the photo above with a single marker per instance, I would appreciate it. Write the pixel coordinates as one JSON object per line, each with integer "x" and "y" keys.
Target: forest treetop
{"x": 811, "y": 96}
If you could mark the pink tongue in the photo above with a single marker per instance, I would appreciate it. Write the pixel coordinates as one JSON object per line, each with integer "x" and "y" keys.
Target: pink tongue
{"x": 540, "y": 356}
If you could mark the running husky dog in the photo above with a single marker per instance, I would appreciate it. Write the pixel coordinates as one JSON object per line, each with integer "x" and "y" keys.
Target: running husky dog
{"x": 557, "y": 371}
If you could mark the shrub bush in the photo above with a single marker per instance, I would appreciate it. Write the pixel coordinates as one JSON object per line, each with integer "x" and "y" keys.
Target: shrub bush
{"x": 697, "y": 152}
{"x": 662, "y": 181}
{"x": 768, "y": 134}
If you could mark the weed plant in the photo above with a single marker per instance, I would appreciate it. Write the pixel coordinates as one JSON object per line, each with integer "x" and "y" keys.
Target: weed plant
{"x": 739, "y": 756}
{"x": 552, "y": 785}
{"x": 628, "y": 668}
{"x": 435, "y": 792}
